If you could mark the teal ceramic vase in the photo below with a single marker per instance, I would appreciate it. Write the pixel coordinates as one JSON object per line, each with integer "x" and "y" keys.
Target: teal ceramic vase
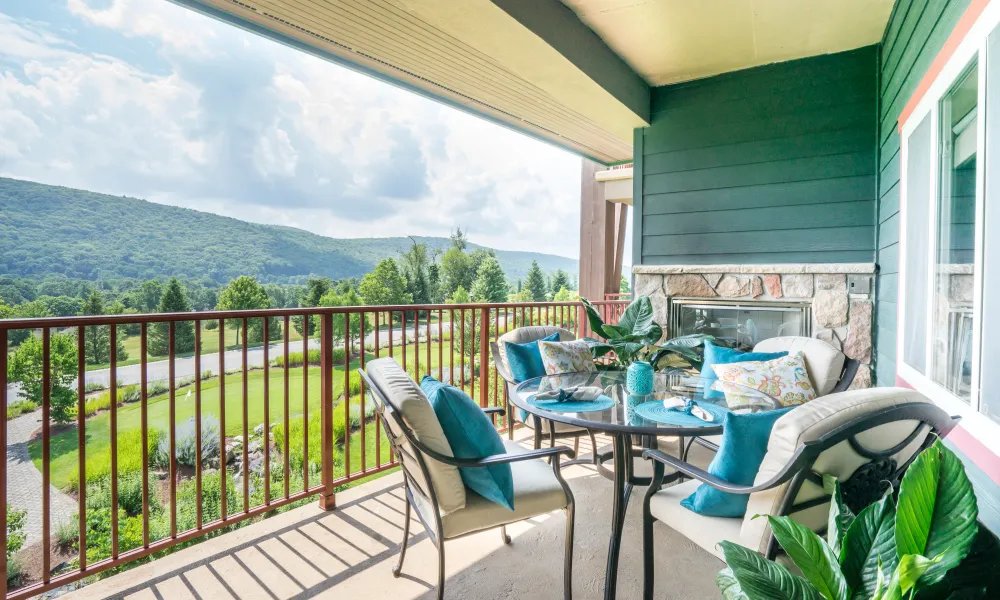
{"x": 639, "y": 378}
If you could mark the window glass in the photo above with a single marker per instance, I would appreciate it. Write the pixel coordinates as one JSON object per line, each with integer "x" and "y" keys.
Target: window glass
{"x": 952, "y": 318}
{"x": 989, "y": 385}
{"x": 918, "y": 200}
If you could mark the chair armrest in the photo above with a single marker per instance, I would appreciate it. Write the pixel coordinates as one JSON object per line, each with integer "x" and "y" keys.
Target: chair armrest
{"x": 500, "y": 459}
{"x": 495, "y": 410}
{"x": 703, "y": 475}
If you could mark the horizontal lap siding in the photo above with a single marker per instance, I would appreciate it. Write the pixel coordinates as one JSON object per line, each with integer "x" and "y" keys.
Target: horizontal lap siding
{"x": 913, "y": 37}
{"x": 776, "y": 164}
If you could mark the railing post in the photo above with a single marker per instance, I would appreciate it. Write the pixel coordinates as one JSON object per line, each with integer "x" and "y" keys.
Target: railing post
{"x": 484, "y": 369}
{"x": 327, "y": 500}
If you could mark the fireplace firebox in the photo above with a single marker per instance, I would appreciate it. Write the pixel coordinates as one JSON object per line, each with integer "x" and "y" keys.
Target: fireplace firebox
{"x": 742, "y": 323}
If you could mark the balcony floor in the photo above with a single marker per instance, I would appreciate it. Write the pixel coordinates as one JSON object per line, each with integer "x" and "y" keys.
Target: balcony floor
{"x": 348, "y": 553}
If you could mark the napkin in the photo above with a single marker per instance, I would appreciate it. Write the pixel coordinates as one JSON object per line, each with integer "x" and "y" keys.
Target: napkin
{"x": 579, "y": 393}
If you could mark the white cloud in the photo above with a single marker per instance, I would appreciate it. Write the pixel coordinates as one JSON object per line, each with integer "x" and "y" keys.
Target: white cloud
{"x": 247, "y": 128}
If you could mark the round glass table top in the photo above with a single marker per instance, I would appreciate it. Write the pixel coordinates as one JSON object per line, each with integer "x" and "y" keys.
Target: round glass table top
{"x": 679, "y": 405}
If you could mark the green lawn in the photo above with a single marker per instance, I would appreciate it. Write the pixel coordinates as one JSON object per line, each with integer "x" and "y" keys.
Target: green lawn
{"x": 64, "y": 445}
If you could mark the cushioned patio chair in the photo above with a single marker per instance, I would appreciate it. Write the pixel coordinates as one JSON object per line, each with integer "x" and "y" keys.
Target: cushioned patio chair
{"x": 829, "y": 369}
{"x": 433, "y": 485}
{"x": 541, "y": 427}
{"x": 864, "y": 438}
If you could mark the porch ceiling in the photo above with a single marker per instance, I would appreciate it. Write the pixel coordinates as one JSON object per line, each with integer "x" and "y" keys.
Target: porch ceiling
{"x": 667, "y": 41}
{"x": 471, "y": 54}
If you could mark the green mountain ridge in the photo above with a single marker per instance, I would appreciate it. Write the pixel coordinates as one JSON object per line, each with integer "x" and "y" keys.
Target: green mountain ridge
{"x": 50, "y": 230}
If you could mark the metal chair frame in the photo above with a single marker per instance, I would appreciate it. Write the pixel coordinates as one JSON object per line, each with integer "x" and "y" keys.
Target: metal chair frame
{"x": 413, "y": 456}
{"x": 932, "y": 423}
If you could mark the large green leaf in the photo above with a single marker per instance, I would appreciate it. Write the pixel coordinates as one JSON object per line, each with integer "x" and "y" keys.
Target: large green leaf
{"x": 638, "y": 316}
{"x": 728, "y": 585}
{"x": 761, "y": 579}
{"x": 597, "y": 348}
{"x": 841, "y": 515}
{"x": 869, "y": 547}
{"x": 909, "y": 570}
{"x": 812, "y": 556}
{"x": 937, "y": 511}
{"x": 594, "y": 317}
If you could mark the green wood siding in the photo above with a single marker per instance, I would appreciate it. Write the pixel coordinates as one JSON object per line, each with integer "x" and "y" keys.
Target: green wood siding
{"x": 774, "y": 164}
{"x": 913, "y": 37}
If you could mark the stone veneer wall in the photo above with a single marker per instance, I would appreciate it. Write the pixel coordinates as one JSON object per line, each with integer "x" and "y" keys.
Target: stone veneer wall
{"x": 840, "y": 319}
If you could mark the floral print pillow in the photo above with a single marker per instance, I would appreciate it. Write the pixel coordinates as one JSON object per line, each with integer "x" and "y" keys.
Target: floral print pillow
{"x": 785, "y": 379}
{"x": 566, "y": 357}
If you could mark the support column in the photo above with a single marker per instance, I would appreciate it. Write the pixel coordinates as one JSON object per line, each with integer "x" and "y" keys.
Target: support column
{"x": 593, "y": 234}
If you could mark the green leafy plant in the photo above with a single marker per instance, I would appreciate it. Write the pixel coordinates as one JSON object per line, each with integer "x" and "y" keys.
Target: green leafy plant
{"x": 889, "y": 551}
{"x": 636, "y": 338}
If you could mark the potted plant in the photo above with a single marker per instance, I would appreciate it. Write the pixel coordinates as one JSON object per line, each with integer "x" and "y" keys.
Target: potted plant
{"x": 927, "y": 545}
{"x": 636, "y": 337}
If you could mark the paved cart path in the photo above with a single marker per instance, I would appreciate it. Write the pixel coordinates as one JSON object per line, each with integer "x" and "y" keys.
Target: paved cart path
{"x": 24, "y": 481}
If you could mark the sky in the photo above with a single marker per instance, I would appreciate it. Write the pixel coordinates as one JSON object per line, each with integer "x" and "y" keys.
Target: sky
{"x": 148, "y": 99}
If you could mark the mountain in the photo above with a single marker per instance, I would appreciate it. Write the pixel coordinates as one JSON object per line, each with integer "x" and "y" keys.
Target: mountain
{"x": 51, "y": 230}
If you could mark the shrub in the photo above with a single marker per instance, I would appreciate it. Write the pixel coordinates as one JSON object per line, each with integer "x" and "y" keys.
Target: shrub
{"x": 95, "y": 386}
{"x": 68, "y": 533}
{"x": 157, "y": 388}
{"x": 211, "y": 325}
{"x": 127, "y": 394}
{"x": 21, "y": 407}
{"x": 185, "y": 442}
{"x": 15, "y": 529}
{"x": 295, "y": 358}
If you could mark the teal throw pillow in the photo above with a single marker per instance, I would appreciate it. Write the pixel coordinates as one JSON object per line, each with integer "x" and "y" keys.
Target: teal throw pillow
{"x": 717, "y": 355}
{"x": 471, "y": 434}
{"x": 525, "y": 360}
{"x": 744, "y": 444}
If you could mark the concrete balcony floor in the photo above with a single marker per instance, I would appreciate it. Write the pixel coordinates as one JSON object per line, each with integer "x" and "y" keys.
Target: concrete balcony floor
{"x": 348, "y": 553}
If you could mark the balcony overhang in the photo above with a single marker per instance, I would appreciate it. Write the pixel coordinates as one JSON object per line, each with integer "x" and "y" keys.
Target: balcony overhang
{"x": 473, "y": 55}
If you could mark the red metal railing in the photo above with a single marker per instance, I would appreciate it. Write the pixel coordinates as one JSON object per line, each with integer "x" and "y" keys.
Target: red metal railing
{"x": 457, "y": 335}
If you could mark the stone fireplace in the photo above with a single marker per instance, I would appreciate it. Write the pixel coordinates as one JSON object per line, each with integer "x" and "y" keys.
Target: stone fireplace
{"x": 838, "y": 297}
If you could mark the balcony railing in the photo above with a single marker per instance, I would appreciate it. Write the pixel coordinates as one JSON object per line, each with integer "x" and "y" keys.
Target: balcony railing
{"x": 448, "y": 341}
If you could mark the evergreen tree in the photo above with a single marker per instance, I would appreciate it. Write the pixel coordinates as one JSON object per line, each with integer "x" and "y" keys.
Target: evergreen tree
{"x": 456, "y": 271}
{"x": 560, "y": 280}
{"x": 316, "y": 288}
{"x": 534, "y": 283}
{"x": 491, "y": 284}
{"x": 415, "y": 261}
{"x": 459, "y": 239}
{"x": 97, "y": 338}
{"x": 623, "y": 286}
{"x": 173, "y": 300}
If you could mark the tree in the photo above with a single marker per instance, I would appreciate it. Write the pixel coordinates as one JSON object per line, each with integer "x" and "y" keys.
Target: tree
{"x": 27, "y": 310}
{"x": 459, "y": 239}
{"x": 560, "y": 280}
{"x": 456, "y": 271}
{"x": 460, "y": 296}
{"x": 61, "y": 306}
{"x": 623, "y": 287}
{"x": 97, "y": 338}
{"x": 415, "y": 261}
{"x": 172, "y": 300}
{"x": 534, "y": 283}
{"x": 565, "y": 295}
{"x": 349, "y": 298}
{"x": 26, "y": 366}
{"x": 434, "y": 282}
{"x": 246, "y": 293}
{"x": 384, "y": 286}
{"x": 316, "y": 288}
{"x": 146, "y": 297}
{"x": 491, "y": 284}
{"x": 117, "y": 308}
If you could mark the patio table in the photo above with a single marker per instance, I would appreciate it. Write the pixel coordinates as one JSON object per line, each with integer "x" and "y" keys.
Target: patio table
{"x": 634, "y": 423}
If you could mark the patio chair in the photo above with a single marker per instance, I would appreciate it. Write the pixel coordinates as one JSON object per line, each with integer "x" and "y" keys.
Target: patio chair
{"x": 433, "y": 485}
{"x": 864, "y": 438}
{"x": 523, "y": 335}
{"x": 829, "y": 369}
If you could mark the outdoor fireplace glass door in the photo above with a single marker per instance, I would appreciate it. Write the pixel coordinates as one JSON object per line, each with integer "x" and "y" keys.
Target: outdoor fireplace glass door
{"x": 743, "y": 324}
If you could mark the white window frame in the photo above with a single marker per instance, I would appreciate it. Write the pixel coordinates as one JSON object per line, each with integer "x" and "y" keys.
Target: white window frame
{"x": 972, "y": 48}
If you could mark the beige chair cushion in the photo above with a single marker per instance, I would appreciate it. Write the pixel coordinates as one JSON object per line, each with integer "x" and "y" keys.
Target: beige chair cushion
{"x": 811, "y": 421}
{"x": 417, "y": 413}
{"x": 707, "y": 532}
{"x": 824, "y": 363}
{"x": 536, "y": 492}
